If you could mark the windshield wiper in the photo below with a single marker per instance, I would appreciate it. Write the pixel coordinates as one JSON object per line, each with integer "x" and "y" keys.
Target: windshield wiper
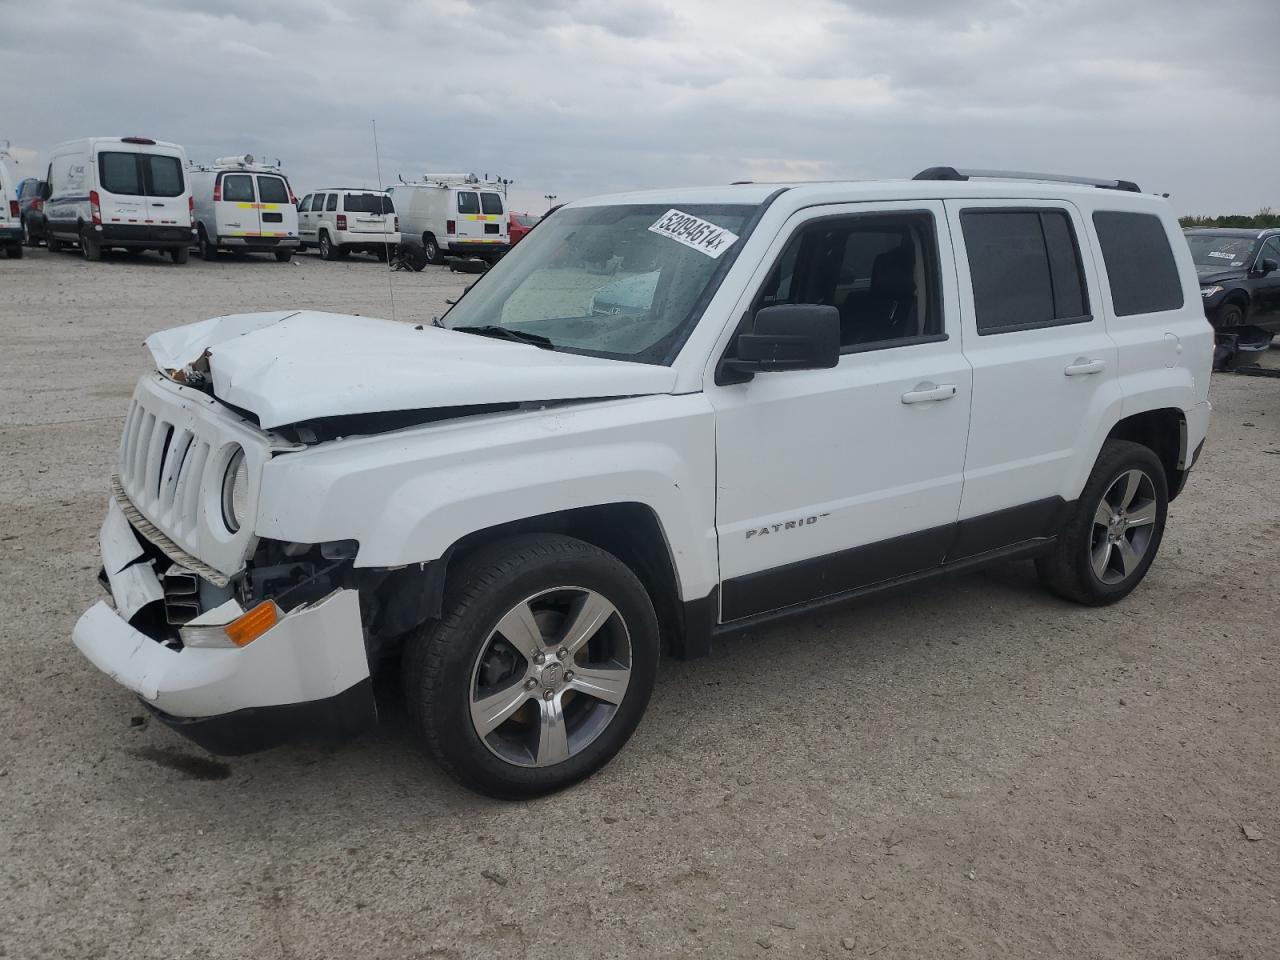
{"x": 505, "y": 333}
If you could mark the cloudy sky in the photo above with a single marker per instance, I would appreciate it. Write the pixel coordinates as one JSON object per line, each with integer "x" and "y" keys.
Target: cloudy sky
{"x": 574, "y": 97}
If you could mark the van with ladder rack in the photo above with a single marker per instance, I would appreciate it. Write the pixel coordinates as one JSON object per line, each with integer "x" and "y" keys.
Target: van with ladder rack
{"x": 10, "y": 214}
{"x": 453, "y": 213}
{"x": 244, "y": 205}
{"x": 127, "y": 192}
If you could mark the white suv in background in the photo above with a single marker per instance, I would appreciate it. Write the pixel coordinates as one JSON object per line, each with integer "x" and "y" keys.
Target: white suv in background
{"x": 664, "y": 418}
{"x": 340, "y": 220}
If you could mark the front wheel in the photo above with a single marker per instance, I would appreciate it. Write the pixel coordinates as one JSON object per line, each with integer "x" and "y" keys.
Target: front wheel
{"x": 540, "y": 668}
{"x": 1115, "y": 530}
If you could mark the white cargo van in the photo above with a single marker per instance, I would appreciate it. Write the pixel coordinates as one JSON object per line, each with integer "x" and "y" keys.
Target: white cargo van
{"x": 130, "y": 192}
{"x": 245, "y": 205}
{"x": 10, "y": 216}
{"x": 452, "y": 213}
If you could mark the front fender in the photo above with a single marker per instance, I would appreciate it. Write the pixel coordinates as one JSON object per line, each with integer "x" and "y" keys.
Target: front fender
{"x": 407, "y": 496}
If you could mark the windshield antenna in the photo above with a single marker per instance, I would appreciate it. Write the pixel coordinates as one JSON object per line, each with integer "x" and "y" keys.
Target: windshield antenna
{"x": 386, "y": 242}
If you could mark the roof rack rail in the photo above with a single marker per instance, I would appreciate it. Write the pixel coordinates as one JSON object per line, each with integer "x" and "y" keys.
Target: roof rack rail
{"x": 951, "y": 173}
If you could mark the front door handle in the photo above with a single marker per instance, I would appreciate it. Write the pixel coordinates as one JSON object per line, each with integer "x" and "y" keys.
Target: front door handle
{"x": 927, "y": 392}
{"x": 1083, "y": 366}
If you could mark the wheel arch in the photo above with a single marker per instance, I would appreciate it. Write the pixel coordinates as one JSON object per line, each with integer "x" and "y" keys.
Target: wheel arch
{"x": 1164, "y": 432}
{"x": 630, "y": 531}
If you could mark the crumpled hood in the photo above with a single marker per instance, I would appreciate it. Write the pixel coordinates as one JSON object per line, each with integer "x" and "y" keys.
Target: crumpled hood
{"x": 287, "y": 367}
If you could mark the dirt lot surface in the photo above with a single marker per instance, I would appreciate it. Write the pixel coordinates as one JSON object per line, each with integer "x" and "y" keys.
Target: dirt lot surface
{"x": 971, "y": 770}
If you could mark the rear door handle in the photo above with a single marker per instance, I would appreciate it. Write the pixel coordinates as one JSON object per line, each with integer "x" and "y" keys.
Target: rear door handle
{"x": 1083, "y": 366}
{"x": 928, "y": 392}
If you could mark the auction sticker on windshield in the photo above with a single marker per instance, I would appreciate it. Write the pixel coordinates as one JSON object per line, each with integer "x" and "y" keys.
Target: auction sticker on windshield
{"x": 701, "y": 235}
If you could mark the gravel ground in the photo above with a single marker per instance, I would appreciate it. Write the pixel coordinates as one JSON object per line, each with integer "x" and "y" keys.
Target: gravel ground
{"x": 976, "y": 771}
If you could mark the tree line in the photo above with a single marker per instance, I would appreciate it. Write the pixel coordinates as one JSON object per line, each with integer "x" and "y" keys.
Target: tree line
{"x": 1261, "y": 220}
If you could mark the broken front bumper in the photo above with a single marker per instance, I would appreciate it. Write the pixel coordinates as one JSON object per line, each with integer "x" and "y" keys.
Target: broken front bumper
{"x": 308, "y": 675}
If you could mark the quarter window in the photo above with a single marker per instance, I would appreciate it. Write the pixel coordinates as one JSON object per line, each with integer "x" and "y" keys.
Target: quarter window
{"x": 237, "y": 187}
{"x": 1140, "y": 266}
{"x": 333, "y": 202}
{"x": 879, "y": 270}
{"x": 1024, "y": 266}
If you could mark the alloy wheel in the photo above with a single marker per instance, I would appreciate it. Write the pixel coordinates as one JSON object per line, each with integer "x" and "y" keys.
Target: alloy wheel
{"x": 1123, "y": 525}
{"x": 550, "y": 677}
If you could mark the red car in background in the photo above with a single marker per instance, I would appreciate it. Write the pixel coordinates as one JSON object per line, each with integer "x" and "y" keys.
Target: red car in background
{"x": 519, "y": 224}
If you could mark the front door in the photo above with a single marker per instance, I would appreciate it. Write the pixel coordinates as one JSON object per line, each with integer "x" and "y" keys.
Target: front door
{"x": 829, "y": 481}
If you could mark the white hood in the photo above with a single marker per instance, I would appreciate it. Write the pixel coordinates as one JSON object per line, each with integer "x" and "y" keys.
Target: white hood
{"x": 289, "y": 367}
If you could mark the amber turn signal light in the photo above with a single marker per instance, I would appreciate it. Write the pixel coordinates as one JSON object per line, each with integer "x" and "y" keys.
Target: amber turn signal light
{"x": 255, "y": 623}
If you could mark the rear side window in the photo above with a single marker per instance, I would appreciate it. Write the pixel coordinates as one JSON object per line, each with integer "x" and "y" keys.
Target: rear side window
{"x": 468, "y": 202}
{"x": 1140, "y": 265}
{"x": 237, "y": 187}
{"x": 140, "y": 174}
{"x": 1025, "y": 269}
{"x": 272, "y": 190}
{"x": 333, "y": 202}
{"x": 490, "y": 203}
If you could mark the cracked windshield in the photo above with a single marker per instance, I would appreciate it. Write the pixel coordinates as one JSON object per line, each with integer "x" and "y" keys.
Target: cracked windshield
{"x": 623, "y": 282}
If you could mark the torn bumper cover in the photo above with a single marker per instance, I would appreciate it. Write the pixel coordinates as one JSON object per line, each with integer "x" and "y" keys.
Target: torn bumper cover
{"x": 306, "y": 676}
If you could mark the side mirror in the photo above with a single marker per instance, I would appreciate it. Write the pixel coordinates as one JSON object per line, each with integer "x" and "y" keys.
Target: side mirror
{"x": 1269, "y": 266}
{"x": 787, "y": 337}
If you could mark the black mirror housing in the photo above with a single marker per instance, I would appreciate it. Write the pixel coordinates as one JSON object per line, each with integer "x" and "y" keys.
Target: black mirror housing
{"x": 1269, "y": 266}
{"x": 799, "y": 336}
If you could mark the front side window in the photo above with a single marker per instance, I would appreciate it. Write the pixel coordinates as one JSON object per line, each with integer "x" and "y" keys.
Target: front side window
{"x": 468, "y": 202}
{"x": 237, "y": 187}
{"x": 305, "y": 205}
{"x": 490, "y": 203}
{"x": 1140, "y": 266}
{"x": 1269, "y": 252}
{"x": 333, "y": 202}
{"x": 272, "y": 190}
{"x": 606, "y": 281}
{"x": 1025, "y": 269}
{"x": 879, "y": 270}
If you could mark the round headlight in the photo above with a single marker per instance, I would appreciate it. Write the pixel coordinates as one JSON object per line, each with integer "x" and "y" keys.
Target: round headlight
{"x": 235, "y": 491}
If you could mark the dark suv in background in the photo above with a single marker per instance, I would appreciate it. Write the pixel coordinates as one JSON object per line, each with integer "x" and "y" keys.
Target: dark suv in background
{"x": 31, "y": 210}
{"x": 1239, "y": 272}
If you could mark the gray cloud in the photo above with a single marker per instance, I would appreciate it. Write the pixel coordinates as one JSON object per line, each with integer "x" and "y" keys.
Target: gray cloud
{"x": 581, "y": 96}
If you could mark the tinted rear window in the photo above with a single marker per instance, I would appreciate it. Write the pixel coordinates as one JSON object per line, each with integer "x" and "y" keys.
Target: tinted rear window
{"x": 140, "y": 174}
{"x": 468, "y": 202}
{"x": 1025, "y": 269}
{"x": 237, "y": 187}
{"x": 490, "y": 203}
{"x": 272, "y": 190}
{"x": 367, "y": 203}
{"x": 1140, "y": 265}
{"x": 332, "y": 204}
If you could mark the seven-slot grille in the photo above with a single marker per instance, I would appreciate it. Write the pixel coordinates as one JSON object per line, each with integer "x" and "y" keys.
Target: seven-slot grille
{"x": 161, "y": 470}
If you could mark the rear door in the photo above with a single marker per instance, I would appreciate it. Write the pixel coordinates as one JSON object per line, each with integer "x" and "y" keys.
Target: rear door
{"x": 276, "y": 213}
{"x": 369, "y": 213}
{"x": 138, "y": 187}
{"x": 1044, "y": 365}
{"x": 493, "y": 215}
{"x": 8, "y": 200}
{"x": 470, "y": 224}
{"x": 164, "y": 180}
{"x": 238, "y": 209}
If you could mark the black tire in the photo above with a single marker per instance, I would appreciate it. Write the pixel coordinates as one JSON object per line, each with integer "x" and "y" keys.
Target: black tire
{"x": 14, "y": 250}
{"x": 382, "y": 253}
{"x": 432, "y": 250}
{"x": 180, "y": 255}
{"x": 208, "y": 247}
{"x": 54, "y": 244}
{"x": 89, "y": 245}
{"x": 28, "y": 238}
{"x": 327, "y": 250}
{"x": 1230, "y": 315}
{"x": 1069, "y": 571}
{"x": 441, "y": 660}
{"x": 284, "y": 256}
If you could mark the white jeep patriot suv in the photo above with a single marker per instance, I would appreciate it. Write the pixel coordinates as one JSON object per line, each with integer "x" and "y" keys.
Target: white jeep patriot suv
{"x": 662, "y": 418}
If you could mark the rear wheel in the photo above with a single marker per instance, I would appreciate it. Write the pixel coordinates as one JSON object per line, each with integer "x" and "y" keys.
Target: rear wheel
{"x": 54, "y": 245}
{"x": 327, "y": 249}
{"x": 180, "y": 254}
{"x": 89, "y": 245}
{"x": 284, "y": 256}
{"x": 432, "y": 249}
{"x": 14, "y": 250}
{"x": 1113, "y": 535}
{"x": 540, "y": 668}
{"x": 28, "y": 238}
{"x": 208, "y": 246}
